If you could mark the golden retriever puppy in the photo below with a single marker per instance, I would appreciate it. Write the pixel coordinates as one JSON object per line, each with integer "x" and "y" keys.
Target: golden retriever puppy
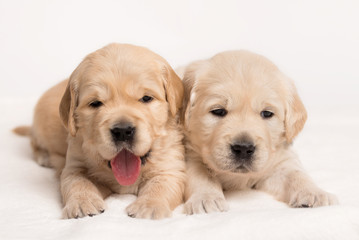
{"x": 113, "y": 128}
{"x": 240, "y": 119}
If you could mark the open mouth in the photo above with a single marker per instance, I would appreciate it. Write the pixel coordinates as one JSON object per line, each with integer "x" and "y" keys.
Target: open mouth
{"x": 126, "y": 166}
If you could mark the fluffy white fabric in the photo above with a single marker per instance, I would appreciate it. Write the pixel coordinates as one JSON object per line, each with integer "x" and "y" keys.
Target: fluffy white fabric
{"x": 30, "y": 205}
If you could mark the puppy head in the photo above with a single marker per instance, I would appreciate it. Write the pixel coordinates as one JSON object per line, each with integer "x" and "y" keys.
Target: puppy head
{"x": 120, "y": 97}
{"x": 239, "y": 110}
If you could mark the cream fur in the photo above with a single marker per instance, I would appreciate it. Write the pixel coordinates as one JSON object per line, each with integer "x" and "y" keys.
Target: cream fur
{"x": 245, "y": 84}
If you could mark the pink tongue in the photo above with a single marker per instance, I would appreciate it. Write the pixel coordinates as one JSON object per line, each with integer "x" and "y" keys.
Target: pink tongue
{"x": 126, "y": 167}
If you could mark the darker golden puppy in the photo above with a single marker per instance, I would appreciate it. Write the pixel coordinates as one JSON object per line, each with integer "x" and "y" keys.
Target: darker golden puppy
{"x": 118, "y": 112}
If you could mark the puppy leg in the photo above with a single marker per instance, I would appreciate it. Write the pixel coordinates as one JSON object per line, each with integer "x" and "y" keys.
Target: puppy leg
{"x": 49, "y": 160}
{"x": 290, "y": 184}
{"x": 57, "y": 161}
{"x": 42, "y": 158}
{"x": 80, "y": 195}
{"x": 158, "y": 197}
{"x": 203, "y": 193}
{"x": 41, "y": 155}
{"x": 302, "y": 192}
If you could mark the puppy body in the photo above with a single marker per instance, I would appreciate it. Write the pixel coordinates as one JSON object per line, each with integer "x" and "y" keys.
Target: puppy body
{"x": 240, "y": 118}
{"x": 48, "y": 135}
{"x": 122, "y": 100}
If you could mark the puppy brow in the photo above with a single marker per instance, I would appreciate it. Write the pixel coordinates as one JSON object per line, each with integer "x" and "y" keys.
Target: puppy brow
{"x": 152, "y": 91}
{"x": 94, "y": 91}
{"x": 217, "y": 100}
{"x": 270, "y": 105}
{"x": 96, "y": 86}
{"x": 148, "y": 87}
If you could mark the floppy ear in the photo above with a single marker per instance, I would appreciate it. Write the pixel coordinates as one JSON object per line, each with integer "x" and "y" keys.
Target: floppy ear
{"x": 174, "y": 89}
{"x": 68, "y": 104}
{"x": 295, "y": 115}
{"x": 189, "y": 80}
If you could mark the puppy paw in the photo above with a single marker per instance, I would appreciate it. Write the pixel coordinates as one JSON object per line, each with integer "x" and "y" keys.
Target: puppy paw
{"x": 83, "y": 204}
{"x": 205, "y": 203}
{"x": 312, "y": 198}
{"x": 143, "y": 208}
{"x": 42, "y": 158}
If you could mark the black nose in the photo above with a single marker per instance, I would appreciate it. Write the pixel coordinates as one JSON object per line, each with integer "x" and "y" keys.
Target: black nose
{"x": 123, "y": 132}
{"x": 243, "y": 150}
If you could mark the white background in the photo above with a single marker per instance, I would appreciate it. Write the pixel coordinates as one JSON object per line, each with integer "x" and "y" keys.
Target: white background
{"x": 314, "y": 42}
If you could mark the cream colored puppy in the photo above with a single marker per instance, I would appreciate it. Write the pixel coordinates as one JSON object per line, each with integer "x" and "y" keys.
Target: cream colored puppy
{"x": 118, "y": 112}
{"x": 241, "y": 117}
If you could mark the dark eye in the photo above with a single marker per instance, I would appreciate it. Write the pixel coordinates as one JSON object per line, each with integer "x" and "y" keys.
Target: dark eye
{"x": 221, "y": 112}
{"x": 266, "y": 114}
{"x": 146, "y": 99}
{"x": 96, "y": 104}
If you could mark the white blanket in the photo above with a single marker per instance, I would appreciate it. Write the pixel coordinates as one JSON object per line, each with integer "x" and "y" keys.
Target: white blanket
{"x": 30, "y": 206}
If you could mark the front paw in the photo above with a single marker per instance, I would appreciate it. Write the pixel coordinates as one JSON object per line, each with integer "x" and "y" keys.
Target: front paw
{"x": 312, "y": 198}
{"x": 143, "y": 208}
{"x": 83, "y": 204}
{"x": 205, "y": 203}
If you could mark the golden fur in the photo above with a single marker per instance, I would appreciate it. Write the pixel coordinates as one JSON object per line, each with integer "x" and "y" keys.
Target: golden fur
{"x": 118, "y": 75}
{"x": 243, "y": 84}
